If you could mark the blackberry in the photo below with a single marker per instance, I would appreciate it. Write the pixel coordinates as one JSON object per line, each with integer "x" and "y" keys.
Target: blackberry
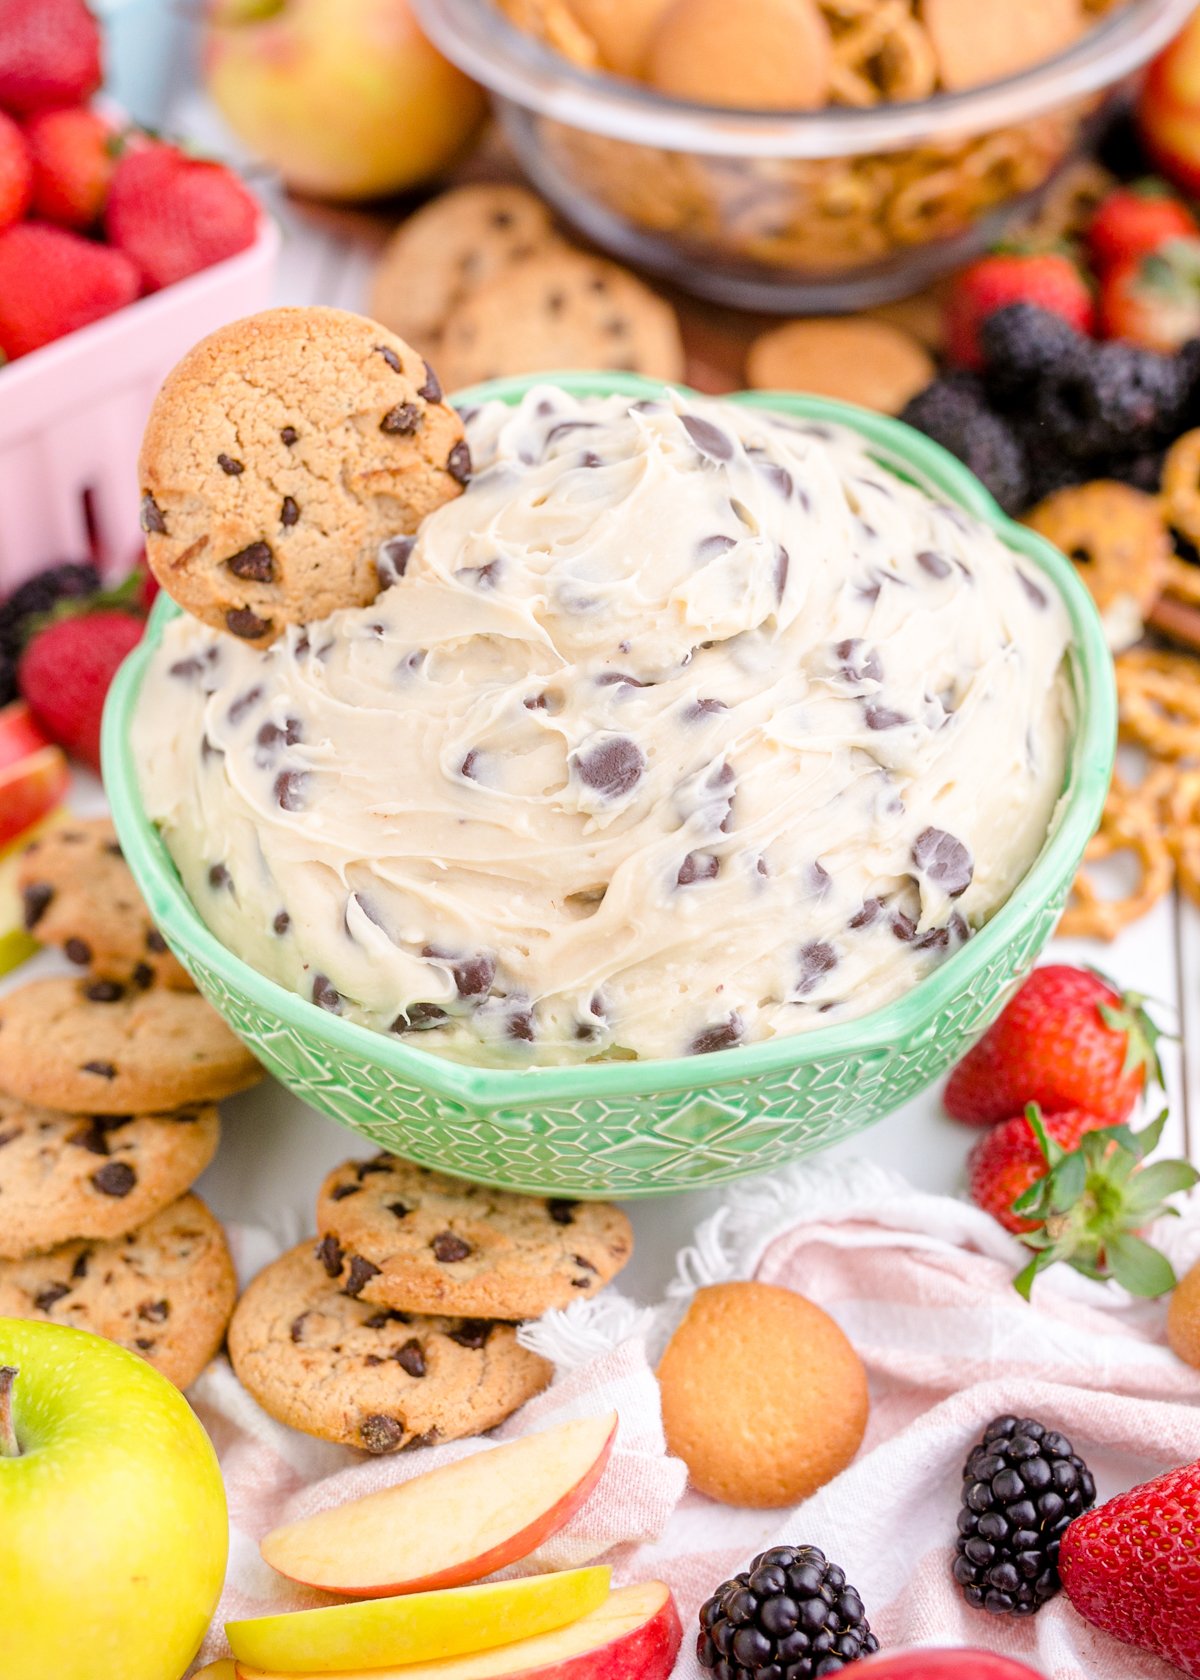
{"x": 1023, "y": 345}
{"x": 1120, "y": 399}
{"x": 790, "y": 1616}
{"x": 38, "y": 594}
{"x": 954, "y": 412}
{"x": 1022, "y": 1485}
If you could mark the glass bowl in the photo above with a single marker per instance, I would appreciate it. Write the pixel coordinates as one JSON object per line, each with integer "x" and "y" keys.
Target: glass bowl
{"x": 809, "y": 211}
{"x": 640, "y": 1128}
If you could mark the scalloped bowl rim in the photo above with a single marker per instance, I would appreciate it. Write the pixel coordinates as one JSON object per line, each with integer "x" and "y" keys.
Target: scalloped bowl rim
{"x": 896, "y": 446}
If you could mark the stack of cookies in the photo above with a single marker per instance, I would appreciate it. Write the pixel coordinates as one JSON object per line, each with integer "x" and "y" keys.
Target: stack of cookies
{"x": 108, "y": 1085}
{"x": 397, "y": 1327}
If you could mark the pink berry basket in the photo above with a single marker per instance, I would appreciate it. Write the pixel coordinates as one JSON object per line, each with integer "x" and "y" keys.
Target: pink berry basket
{"x": 72, "y": 414}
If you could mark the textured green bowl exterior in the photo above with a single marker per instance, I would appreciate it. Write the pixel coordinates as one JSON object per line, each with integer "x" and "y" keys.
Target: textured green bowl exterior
{"x": 643, "y": 1128}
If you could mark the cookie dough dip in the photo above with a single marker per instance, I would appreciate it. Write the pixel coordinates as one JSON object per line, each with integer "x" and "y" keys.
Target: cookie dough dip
{"x": 683, "y": 727}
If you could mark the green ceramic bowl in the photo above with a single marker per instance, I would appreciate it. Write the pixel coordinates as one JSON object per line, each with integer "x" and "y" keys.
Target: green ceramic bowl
{"x": 641, "y": 1128}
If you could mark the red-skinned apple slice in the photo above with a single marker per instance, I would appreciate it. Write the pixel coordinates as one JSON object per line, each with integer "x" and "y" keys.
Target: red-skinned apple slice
{"x": 20, "y": 736}
{"x": 634, "y": 1635}
{"x": 453, "y": 1525}
{"x": 30, "y": 788}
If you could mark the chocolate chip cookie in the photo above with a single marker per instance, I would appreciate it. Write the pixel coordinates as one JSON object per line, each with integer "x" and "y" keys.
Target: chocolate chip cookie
{"x": 165, "y": 1290}
{"x": 370, "y": 1377}
{"x": 449, "y": 249}
{"x": 410, "y": 1238}
{"x": 69, "y": 1175}
{"x": 77, "y": 892}
{"x": 96, "y": 1047}
{"x": 562, "y": 309}
{"x": 280, "y": 452}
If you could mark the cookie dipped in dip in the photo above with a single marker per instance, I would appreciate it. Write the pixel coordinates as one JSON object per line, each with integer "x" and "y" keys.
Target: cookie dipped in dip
{"x": 685, "y": 726}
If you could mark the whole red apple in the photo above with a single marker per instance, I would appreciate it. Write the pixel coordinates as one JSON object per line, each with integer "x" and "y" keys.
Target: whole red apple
{"x": 1169, "y": 108}
{"x": 944, "y": 1665}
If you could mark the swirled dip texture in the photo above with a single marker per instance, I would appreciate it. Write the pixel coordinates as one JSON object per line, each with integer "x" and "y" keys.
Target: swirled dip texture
{"x": 684, "y": 727}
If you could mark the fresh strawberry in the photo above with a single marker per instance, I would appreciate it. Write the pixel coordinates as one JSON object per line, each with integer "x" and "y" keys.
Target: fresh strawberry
{"x": 49, "y": 54}
{"x": 1137, "y": 219}
{"x": 173, "y": 214}
{"x": 1048, "y": 279}
{"x": 52, "y": 282}
{"x": 1008, "y": 1160}
{"x": 1068, "y": 1039}
{"x": 73, "y": 161}
{"x": 1154, "y": 300}
{"x": 1089, "y": 1203}
{"x": 16, "y": 172}
{"x": 1132, "y": 1567}
{"x": 944, "y": 1664}
{"x": 65, "y": 671}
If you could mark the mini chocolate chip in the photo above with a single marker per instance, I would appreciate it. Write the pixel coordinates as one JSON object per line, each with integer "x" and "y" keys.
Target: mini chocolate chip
{"x": 79, "y": 1269}
{"x": 467, "y": 767}
{"x": 150, "y": 517}
{"x": 219, "y": 876}
{"x": 143, "y": 1343}
{"x": 1035, "y": 594}
{"x": 698, "y": 866}
{"x": 326, "y": 995}
{"x": 297, "y": 1329}
{"x": 143, "y": 977}
{"x": 458, "y": 462}
{"x": 391, "y": 357}
{"x": 401, "y": 421}
{"x": 380, "y": 1434}
{"x": 448, "y": 1248}
{"x": 431, "y": 390}
{"x": 10, "y": 1136}
{"x": 817, "y": 957}
{"x": 228, "y": 465}
{"x": 385, "y": 1316}
{"x": 704, "y": 707}
{"x": 411, "y": 1358}
{"x": 614, "y": 768}
{"x": 53, "y": 1292}
{"x": 155, "y": 942}
{"x": 103, "y": 1070}
{"x": 935, "y": 564}
{"x": 329, "y": 1253}
{"x": 289, "y": 512}
{"x": 155, "y": 1312}
{"x": 288, "y": 436}
{"x": 372, "y": 1360}
{"x": 240, "y": 621}
{"x": 584, "y": 1264}
{"x": 360, "y": 1274}
{"x": 35, "y": 899}
{"x": 282, "y": 922}
{"x": 903, "y": 927}
{"x": 723, "y": 1036}
{"x": 289, "y": 789}
{"x": 341, "y": 1191}
{"x": 944, "y": 860}
{"x": 255, "y": 563}
{"x": 114, "y": 1178}
{"x": 377, "y": 1164}
{"x": 392, "y": 560}
{"x": 884, "y": 717}
{"x": 472, "y": 1333}
{"x": 186, "y": 669}
{"x": 562, "y": 1212}
{"x": 519, "y": 1025}
{"x": 709, "y": 439}
{"x": 78, "y": 951}
{"x": 104, "y": 991}
{"x": 934, "y": 939}
{"x": 864, "y": 917}
{"x": 782, "y": 565}
{"x": 418, "y": 1017}
{"x": 858, "y": 661}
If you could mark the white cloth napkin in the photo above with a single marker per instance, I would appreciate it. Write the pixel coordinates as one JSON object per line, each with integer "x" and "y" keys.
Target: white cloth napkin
{"x": 922, "y": 1286}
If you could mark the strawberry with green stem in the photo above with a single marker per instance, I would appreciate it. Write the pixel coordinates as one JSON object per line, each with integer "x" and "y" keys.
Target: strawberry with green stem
{"x": 1091, "y": 1203}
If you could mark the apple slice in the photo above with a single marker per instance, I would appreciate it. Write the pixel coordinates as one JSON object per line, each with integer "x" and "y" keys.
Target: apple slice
{"x": 634, "y": 1635}
{"x": 20, "y": 736}
{"x": 452, "y": 1525}
{"x": 423, "y": 1627}
{"x": 30, "y": 787}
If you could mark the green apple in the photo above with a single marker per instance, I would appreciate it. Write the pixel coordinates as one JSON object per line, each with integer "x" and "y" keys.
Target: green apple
{"x": 113, "y": 1527}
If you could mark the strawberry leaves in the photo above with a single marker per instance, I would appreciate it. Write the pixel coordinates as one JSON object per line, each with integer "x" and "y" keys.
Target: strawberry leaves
{"x": 1092, "y": 1201}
